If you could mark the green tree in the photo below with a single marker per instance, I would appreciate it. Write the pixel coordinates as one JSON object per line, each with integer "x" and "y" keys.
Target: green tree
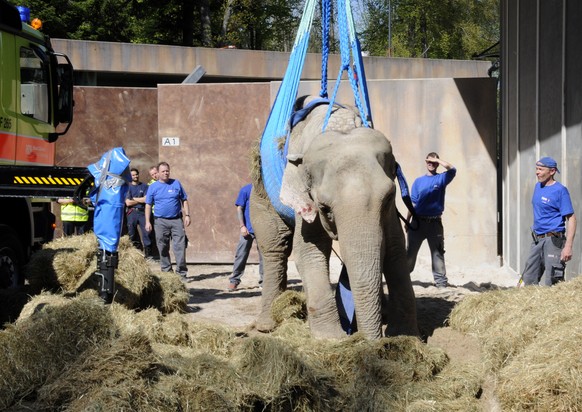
{"x": 445, "y": 29}
{"x": 260, "y": 24}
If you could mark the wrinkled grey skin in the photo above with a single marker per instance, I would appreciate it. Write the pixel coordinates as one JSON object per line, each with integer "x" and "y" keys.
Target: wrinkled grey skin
{"x": 341, "y": 185}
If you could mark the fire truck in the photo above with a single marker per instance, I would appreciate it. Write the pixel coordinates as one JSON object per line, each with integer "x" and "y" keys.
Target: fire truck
{"x": 36, "y": 107}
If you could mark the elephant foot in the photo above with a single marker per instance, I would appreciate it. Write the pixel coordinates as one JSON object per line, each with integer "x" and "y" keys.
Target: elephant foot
{"x": 265, "y": 323}
{"x": 327, "y": 331}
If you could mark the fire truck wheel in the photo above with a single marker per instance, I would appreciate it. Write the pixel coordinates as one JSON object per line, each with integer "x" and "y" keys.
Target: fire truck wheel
{"x": 11, "y": 258}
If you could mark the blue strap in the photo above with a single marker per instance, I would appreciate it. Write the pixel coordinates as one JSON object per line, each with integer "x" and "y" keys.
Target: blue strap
{"x": 325, "y": 13}
{"x": 405, "y": 194}
{"x": 301, "y": 114}
{"x": 350, "y": 47}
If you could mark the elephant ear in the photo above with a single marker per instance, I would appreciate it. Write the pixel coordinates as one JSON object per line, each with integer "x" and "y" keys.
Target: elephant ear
{"x": 295, "y": 189}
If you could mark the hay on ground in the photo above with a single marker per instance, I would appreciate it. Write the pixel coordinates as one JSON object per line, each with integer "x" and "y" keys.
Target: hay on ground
{"x": 36, "y": 350}
{"x": 531, "y": 339}
{"x": 547, "y": 374}
{"x": 145, "y": 360}
{"x": 506, "y": 322}
{"x": 165, "y": 292}
{"x": 290, "y": 304}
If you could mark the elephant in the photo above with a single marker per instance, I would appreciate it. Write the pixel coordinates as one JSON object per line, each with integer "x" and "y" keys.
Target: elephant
{"x": 340, "y": 183}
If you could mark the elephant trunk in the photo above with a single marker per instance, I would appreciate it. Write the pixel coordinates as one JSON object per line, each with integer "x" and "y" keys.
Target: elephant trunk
{"x": 361, "y": 240}
{"x": 362, "y": 254}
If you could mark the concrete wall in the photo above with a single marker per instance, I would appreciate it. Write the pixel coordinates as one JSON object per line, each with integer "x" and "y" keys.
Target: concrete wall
{"x": 541, "y": 112}
{"x": 128, "y": 58}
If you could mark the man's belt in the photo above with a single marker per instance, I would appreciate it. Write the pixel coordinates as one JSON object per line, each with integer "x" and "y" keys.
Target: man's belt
{"x": 550, "y": 234}
{"x": 429, "y": 218}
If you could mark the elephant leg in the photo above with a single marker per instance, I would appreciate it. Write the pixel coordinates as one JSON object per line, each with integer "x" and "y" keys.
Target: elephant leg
{"x": 274, "y": 239}
{"x": 312, "y": 248}
{"x": 401, "y": 316}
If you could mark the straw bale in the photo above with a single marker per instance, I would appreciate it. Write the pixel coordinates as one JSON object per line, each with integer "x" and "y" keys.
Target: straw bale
{"x": 375, "y": 371}
{"x": 151, "y": 323}
{"x": 294, "y": 331}
{"x": 61, "y": 263}
{"x": 403, "y": 358}
{"x": 134, "y": 397}
{"x": 69, "y": 264}
{"x": 290, "y": 304}
{"x": 132, "y": 277}
{"x": 166, "y": 292}
{"x": 41, "y": 302}
{"x": 36, "y": 350}
{"x": 547, "y": 374}
{"x": 117, "y": 364}
{"x": 181, "y": 393}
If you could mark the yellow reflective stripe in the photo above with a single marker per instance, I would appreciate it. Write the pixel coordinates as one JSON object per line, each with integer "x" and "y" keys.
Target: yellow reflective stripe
{"x": 34, "y": 180}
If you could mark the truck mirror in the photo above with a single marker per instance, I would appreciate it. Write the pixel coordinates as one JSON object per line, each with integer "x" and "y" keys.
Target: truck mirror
{"x": 65, "y": 103}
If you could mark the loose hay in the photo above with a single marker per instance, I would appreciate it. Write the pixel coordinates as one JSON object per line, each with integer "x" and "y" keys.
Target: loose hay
{"x": 531, "y": 338}
{"x": 115, "y": 358}
{"x": 115, "y": 366}
{"x": 290, "y": 304}
{"x": 36, "y": 350}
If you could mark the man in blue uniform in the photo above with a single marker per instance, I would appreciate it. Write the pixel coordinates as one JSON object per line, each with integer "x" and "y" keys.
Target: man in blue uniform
{"x": 245, "y": 243}
{"x": 171, "y": 216}
{"x": 553, "y": 219}
{"x": 428, "y": 197}
{"x": 135, "y": 202}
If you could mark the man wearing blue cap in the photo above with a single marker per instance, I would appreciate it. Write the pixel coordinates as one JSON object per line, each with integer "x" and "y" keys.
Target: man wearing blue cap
{"x": 553, "y": 219}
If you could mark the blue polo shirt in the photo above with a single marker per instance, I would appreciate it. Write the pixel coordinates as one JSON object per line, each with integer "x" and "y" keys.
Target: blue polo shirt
{"x": 551, "y": 204}
{"x": 428, "y": 193}
{"x": 167, "y": 198}
{"x": 138, "y": 190}
{"x": 243, "y": 200}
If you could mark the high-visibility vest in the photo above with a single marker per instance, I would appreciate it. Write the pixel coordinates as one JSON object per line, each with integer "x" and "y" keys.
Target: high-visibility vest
{"x": 73, "y": 213}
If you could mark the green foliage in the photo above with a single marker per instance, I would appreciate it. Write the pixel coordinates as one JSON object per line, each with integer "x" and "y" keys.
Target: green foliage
{"x": 449, "y": 29}
{"x": 444, "y": 29}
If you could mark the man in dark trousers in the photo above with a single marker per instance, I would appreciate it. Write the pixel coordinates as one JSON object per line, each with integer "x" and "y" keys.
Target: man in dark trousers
{"x": 246, "y": 238}
{"x": 135, "y": 213}
{"x": 428, "y": 197}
